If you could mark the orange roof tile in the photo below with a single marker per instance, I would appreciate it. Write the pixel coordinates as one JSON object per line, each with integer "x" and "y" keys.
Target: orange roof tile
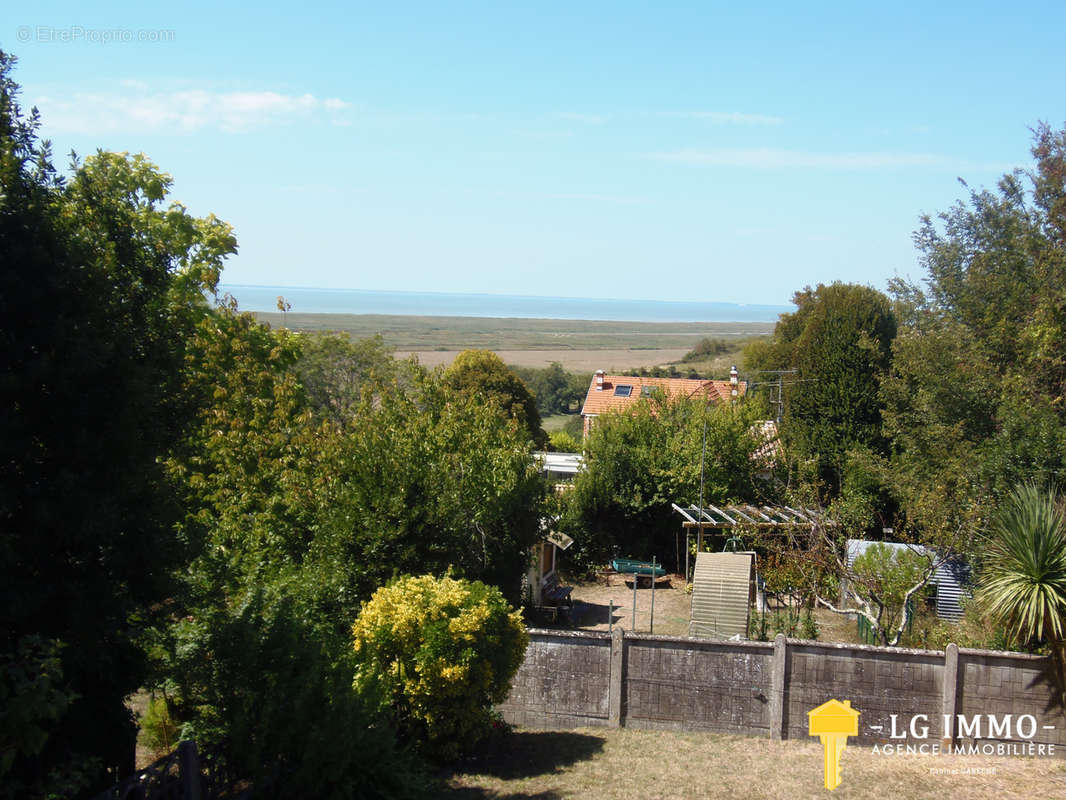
{"x": 600, "y": 401}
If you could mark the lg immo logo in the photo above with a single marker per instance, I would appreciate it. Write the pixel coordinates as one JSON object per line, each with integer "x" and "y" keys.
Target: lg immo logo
{"x": 833, "y": 722}
{"x": 984, "y": 734}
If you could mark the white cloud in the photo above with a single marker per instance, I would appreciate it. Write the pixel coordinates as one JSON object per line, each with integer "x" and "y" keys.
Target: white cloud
{"x": 772, "y": 158}
{"x": 185, "y": 111}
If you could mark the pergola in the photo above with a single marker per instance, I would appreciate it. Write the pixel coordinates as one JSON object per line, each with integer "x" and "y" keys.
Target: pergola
{"x": 782, "y": 518}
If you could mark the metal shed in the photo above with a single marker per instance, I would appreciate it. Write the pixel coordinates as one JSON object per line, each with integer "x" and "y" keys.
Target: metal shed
{"x": 951, "y": 577}
{"x": 720, "y": 595}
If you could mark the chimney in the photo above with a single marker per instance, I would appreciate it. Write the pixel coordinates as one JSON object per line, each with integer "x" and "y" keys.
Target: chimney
{"x": 733, "y": 383}
{"x": 599, "y": 380}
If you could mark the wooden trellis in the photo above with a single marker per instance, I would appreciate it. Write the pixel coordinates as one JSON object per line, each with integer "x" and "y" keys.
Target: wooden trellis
{"x": 783, "y": 518}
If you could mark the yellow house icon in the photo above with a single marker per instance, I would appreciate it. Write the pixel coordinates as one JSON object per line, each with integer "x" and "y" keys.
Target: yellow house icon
{"x": 833, "y": 722}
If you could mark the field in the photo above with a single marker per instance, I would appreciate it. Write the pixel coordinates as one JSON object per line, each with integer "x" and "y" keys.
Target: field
{"x": 580, "y": 361}
{"x": 579, "y": 345}
{"x": 624, "y": 764}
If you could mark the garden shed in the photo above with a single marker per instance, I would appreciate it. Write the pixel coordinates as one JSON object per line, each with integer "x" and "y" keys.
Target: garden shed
{"x": 951, "y": 578}
{"x": 721, "y": 595}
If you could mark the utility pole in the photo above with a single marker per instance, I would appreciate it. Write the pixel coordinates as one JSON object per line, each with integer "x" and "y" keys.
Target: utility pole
{"x": 777, "y": 398}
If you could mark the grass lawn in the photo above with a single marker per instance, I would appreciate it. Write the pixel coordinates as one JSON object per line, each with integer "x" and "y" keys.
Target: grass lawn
{"x": 626, "y": 764}
{"x": 556, "y": 422}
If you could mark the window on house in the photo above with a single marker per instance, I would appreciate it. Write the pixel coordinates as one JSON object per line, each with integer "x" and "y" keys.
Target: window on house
{"x": 623, "y": 391}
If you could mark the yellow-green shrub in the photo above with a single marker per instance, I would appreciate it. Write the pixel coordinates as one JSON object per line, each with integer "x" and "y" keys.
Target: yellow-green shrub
{"x": 440, "y": 652}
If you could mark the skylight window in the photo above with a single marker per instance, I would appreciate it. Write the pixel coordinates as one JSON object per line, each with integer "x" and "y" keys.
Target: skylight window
{"x": 623, "y": 391}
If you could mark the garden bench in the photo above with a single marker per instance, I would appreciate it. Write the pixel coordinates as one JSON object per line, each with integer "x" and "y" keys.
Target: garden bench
{"x": 555, "y": 594}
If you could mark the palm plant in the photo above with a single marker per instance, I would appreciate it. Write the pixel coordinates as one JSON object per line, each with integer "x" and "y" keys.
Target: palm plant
{"x": 1023, "y": 584}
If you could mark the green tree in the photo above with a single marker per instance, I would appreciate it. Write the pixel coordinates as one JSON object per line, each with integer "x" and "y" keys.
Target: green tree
{"x": 256, "y": 653}
{"x": 640, "y": 461}
{"x": 563, "y": 442}
{"x": 883, "y": 577}
{"x": 297, "y": 518}
{"x": 555, "y": 390}
{"x": 839, "y": 343}
{"x": 334, "y": 370}
{"x": 430, "y": 478}
{"x": 972, "y": 405}
{"x": 481, "y": 372}
{"x": 101, "y": 281}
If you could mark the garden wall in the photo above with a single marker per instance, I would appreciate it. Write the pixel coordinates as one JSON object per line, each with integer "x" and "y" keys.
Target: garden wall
{"x": 572, "y": 679}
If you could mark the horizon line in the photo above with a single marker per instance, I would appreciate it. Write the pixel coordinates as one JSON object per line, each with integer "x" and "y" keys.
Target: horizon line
{"x": 223, "y": 285}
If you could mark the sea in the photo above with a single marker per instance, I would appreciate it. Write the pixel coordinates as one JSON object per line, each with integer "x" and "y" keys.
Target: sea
{"x": 445, "y": 304}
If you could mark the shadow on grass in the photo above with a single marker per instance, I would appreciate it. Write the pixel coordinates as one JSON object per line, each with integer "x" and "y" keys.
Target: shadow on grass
{"x": 587, "y": 614}
{"x": 528, "y": 754}
{"x": 474, "y": 793}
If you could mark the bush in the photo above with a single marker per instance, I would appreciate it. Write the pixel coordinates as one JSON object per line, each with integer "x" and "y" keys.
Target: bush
{"x": 708, "y": 348}
{"x": 975, "y": 629}
{"x": 441, "y": 652}
{"x": 159, "y": 730}
{"x": 263, "y": 680}
{"x": 575, "y": 426}
{"x": 563, "y": 442}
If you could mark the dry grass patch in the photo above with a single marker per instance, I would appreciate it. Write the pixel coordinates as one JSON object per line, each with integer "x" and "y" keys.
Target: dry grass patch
{"x": 623, "y": 764}
{"x": 592, "y": 602}
{"x": 673, "y": 605}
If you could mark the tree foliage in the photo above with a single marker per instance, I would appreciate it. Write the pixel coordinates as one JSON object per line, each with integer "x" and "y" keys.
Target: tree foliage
{"x": 297, "y": 517}
{"x": 838, "y": 341}
{"x": 432, "y": 478}
{"x": 555, "y": 390}
{"x": 1023, "y": 582}
{"x": 334, "y": 370}
{"x": 101, "y": 281}
{"x": 442, "y": 652}
{"x": 481, "y": 373}
{"x": 640, "y": 461}
{"x": 273, "y": 681}
{"x": 883, "y": 578}
{"x": 973, "y": 405}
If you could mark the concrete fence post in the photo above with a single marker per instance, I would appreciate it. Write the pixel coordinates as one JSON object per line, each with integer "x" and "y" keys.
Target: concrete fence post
{"x": 950, "y": 695}
{"x": 777, "y": 688}
{"x": 617, "y": 678}
{"x": 189, "y": 770}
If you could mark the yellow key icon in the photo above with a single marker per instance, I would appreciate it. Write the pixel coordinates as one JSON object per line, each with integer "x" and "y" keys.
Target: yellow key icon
{"x": 833, "y": 722}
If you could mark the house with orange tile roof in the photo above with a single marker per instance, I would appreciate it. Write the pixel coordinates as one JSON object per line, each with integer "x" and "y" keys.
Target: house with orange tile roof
{"x": 619, "y": 392}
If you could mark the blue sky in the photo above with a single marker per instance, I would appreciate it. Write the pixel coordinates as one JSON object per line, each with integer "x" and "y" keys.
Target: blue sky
{"x": 683, "y": 152}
